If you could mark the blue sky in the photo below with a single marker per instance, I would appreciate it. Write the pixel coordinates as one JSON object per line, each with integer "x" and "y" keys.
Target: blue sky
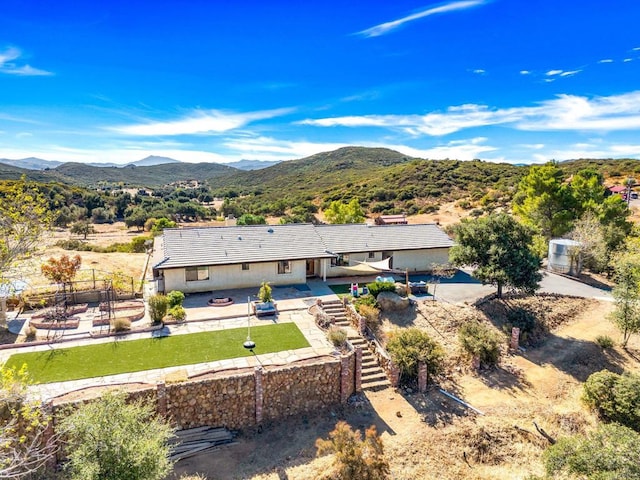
{"x": 518, "y": 81}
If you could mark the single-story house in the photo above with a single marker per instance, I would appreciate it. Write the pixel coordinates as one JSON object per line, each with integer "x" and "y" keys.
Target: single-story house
{"x": 214, "y": 258}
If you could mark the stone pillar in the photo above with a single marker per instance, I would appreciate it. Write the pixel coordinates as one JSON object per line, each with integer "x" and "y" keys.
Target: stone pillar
{"x": 358, "y": 370}
{"x": 161, "y": 396}
{"x": 362, "y": 324}
{"x": 259, "y": 394}
{"x": 394, "y": 374}
{"x": 515, "y": 338}
{"x": 423, "y": 377}
{"x": 346, "y": 382}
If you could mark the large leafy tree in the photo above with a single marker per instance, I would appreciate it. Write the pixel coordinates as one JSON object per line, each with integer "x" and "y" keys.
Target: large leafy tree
{"x": 626, "y": 293}
{"x": 544, "y": 201}
{"x": 499, "y": 248}
{"x": 110, "y": 439}
{"x": 24, "y": 218}
{"x": 61, "y": 270}
{"x": 339, "y": 212}
{"x": 587, "y": 190}
{"x": 25, "y": 445}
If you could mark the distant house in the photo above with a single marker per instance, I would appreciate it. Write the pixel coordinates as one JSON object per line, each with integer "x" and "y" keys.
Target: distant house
{"x": 214, "y": 258}
{"x": 618, "y": 189}
{"x": 400, "y": 219}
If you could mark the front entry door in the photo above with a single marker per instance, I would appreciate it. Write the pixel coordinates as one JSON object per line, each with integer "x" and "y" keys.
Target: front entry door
{"x": 311, "y": 268}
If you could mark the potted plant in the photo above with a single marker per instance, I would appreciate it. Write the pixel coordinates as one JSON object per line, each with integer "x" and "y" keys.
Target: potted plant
{"x": 264, "y": 294}
{"x": 266, "y": 305}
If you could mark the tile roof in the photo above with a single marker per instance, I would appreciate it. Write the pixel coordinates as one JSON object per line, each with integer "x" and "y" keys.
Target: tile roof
{"x": 181, "y": 247}
{"x": 375, "y": 238}
{"x": 228, "y": 245}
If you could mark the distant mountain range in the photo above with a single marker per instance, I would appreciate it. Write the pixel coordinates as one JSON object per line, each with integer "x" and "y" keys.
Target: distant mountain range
{"x": 33, "y": 163}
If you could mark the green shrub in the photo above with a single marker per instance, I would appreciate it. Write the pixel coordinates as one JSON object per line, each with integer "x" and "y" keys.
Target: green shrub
{"x": 521, "y": 318}
{"x": 354, "y": 457}
{"x": 605, "y": 341}
{"x": 478, "y": 340}
{"x": 74, "y": 244}
{"x": 609, "y": 452}
{"x": 409, "y": 346}
{"x": 615, "y": 398}
{"x": 139, "y": 244}
{"x": 158, "y": 305}
{"x": 175, "y": 298}
{"x": 371, "y": 316}
{"x": 337, "y": 336}
{"x": 178, "y": 313}
{"x": 121, "y": 325}
{"x": 376, "y": 287}
{"x": 264, "y": 294}
{"x": 369, "y": 300}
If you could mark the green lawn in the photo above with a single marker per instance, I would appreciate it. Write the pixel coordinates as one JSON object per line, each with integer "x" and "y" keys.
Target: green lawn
{"x": 344, "y": 289}
{"x": 122, "y": 356}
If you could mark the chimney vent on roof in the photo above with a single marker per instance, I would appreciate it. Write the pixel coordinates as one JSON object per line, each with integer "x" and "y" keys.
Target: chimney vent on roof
{"x": 239, "y": 237}
{"x": 270, "y": 230}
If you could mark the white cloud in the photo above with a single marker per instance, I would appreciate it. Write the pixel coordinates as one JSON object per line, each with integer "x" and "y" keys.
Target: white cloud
{"x": 459, "y": 151}
{"x": 571, "y": 112}
{"x": 434, "y": 124}
{"x": 566, "y": 112}
{"x": 479, "y": 71}
{"x": 525, "y": 72}
{"x": 626, "y": 60}
{"x": 10, "y": 67}
{"x": 267, "y": 148}
{"x": 554, "y": 72}
{"x": 605, "y": 60}
{"x": 570, "y": 73}
{"x": 200, "y": 122}
{"x": 387, "y": 27}
{"x": 635, "y": 49}
{"x": 586, "y": 150}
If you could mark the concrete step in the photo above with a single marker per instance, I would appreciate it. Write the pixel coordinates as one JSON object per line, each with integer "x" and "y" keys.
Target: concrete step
{"x": 376, "y": 386}
{"x": 373, "y": 372}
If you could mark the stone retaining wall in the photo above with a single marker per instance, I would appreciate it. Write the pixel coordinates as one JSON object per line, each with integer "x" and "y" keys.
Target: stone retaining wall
{"x": 241, "y": 399}
{"x": 228, "y": 401}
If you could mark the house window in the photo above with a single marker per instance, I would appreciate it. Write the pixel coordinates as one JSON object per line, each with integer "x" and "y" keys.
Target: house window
{"x": 342, "y": 260}
{"x": 284, "y": 266}
{"x": 194, "y": 274}
{"x": 245, "y": 266}
{"x": 372, "y": 254}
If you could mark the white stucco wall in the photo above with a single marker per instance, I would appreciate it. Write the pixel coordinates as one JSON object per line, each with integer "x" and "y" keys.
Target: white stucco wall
{"x": 232, "y": 276}
{"x": 414, "y": 260}
{"x": 420, "y": 260}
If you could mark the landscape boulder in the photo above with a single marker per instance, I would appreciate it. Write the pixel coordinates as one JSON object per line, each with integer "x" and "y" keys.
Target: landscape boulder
{"x": 389, "y": 301}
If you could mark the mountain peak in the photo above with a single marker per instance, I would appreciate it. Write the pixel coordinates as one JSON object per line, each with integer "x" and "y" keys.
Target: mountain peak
{"x": 153, "y": 160}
